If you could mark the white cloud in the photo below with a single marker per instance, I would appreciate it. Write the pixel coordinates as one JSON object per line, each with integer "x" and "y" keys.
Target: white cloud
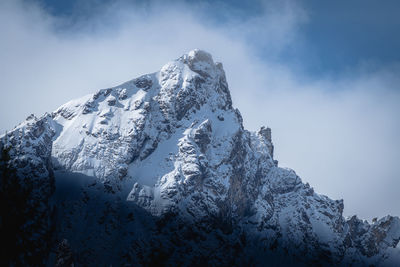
{"x": 338, "y": 134}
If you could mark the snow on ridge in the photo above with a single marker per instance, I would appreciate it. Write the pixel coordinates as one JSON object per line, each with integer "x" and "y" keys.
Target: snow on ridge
{"x": 175, "y": 140}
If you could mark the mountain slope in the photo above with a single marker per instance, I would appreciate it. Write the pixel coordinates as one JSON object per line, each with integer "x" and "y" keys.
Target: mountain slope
{"x": 161, "y": 170}
{"x": 26, "y": 185}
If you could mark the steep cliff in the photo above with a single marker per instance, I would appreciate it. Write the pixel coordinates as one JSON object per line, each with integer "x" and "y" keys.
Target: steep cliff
{"x": 160, "y": 170}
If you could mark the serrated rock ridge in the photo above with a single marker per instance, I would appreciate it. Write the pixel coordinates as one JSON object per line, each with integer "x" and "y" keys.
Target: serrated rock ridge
{"x": 171, "y": 144}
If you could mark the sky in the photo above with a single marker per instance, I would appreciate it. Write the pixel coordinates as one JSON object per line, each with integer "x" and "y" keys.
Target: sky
{"x": 325, "y": 76}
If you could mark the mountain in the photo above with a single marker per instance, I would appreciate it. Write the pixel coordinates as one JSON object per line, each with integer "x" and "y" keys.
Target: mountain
{"x": 26, "y": 185}
{"x": 160, "y": 171}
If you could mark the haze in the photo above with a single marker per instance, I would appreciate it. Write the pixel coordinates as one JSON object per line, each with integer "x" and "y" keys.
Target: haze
{"x": 334, "y": 113}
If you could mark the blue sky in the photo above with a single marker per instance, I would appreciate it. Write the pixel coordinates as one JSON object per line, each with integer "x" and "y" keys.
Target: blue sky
{"x": 334, "y": 36}
{"x": 325, "y": 76}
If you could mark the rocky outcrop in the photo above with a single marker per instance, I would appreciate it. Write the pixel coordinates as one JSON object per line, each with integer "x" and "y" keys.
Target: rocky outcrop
{"x": 160, "y": 170}
{"x": 27, "y": 183}
{"x": 64, "y": 255}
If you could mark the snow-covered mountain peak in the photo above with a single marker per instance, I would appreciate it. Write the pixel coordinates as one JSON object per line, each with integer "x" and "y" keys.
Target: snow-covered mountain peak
{"x": 201, "y": 62}
{"x": 169, "y": 147}
{"x": 197, "y": 55}
{"x": 101, "y": 134}
{"x": 29, "y": 145}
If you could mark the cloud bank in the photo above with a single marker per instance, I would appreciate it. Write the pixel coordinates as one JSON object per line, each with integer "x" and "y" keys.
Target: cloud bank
{"x": 339, "y": 133}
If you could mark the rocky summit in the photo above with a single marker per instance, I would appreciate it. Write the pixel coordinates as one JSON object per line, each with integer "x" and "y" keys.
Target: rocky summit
{"x": 160, "y": 171}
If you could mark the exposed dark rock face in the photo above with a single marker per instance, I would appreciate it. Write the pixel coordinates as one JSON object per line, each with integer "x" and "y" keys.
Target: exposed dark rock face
{"x": 27, "y": 183}
{"x": 160, "y": 171}
{"x": 65, "y": 257}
